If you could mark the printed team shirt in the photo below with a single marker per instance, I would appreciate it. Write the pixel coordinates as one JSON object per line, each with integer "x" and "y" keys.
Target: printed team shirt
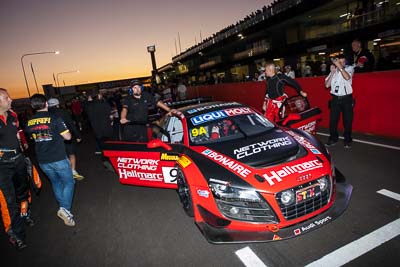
{"x": 339, "y": 86}
{"x": 46, "y": 130}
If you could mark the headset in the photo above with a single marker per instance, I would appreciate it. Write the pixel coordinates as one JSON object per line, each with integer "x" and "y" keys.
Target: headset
{"x": 130, "y": 90}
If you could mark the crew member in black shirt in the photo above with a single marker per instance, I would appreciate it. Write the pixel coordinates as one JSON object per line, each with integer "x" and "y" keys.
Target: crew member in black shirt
{"x": 135, "y": 110}
{"x": 12, "y": 164}
{"x": 274, "y": 95}
{"x": 363, "y": 60}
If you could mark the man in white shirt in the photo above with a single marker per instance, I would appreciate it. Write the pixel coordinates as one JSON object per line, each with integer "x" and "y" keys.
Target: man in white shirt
{"x": 261, "y": 77}
{"x": 289, "y": 72}
{"x": 181, "y": 90}
{"x": 340, "y": 82}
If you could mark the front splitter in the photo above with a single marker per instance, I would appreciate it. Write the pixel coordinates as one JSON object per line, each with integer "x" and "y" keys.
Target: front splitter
{"x": 221, "y": 235}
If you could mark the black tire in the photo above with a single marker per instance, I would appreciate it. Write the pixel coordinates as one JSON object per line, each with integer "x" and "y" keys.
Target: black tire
{"x": 184, "y": 194}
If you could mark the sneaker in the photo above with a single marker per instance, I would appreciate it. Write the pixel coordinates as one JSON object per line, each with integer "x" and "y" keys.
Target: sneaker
{"x": 15, "y": 240}
{"x": 347, "y": 145}
{"x": 331, "y": 143}
{"x": 28, "y": 220}
{"x": 77, "y": 176}
{"x": 66, "y": 216}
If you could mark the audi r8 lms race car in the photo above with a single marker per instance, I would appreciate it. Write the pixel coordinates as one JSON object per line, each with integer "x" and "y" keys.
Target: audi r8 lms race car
{"x": 242, "y": 178}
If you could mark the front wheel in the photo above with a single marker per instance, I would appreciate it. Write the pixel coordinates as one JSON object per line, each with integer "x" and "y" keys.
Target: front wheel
{"x": 184, "y": 194}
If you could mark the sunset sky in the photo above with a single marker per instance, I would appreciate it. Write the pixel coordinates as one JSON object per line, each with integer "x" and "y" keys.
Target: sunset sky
{"x": 103, "y": 39}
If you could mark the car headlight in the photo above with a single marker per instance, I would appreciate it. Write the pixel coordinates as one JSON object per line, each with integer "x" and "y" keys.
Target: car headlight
{"x": 241, "y": 204}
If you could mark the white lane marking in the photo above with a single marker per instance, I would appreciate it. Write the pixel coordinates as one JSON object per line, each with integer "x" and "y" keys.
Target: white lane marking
{"x": 359, "y": 247}
{"x": 366, "y": 142}
{"x": 249, "y": 258}
{"x": 364, "y": 244}
{"x": 389, "y": 194}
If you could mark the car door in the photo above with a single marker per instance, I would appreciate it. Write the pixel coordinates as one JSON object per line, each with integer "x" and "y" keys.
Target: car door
{"x": 136, "y": 164}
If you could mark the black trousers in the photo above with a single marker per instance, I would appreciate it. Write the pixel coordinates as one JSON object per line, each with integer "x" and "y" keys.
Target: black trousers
{"x": 135, "y": 133}
{"x": 341, "y": 105}
{"x": 10, "y": 209}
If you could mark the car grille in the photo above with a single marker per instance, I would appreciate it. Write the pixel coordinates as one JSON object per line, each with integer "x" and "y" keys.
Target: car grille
{"x": 305, "y": 207}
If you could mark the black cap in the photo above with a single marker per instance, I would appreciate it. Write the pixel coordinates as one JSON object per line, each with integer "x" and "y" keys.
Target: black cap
{"x": 135, "y": 82}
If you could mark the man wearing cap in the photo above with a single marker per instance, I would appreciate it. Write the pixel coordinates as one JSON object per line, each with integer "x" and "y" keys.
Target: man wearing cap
{"x": 135, "y": 112}
{"x": 54, "y": 108}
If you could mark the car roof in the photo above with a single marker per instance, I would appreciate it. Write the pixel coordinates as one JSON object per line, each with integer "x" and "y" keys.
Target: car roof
{"x": 194, "y": 110}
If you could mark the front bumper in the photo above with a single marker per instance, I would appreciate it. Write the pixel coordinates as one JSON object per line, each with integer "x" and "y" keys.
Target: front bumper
{"x": 223, "y": 235}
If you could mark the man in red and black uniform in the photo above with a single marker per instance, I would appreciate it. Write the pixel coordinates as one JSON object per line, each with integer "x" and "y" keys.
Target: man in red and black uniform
{"x": 12, "y": 167}
{"x": 274, "y": 95}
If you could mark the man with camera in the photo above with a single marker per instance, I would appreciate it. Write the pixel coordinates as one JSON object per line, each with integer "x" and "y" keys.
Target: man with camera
{"x": 340, "y": 82}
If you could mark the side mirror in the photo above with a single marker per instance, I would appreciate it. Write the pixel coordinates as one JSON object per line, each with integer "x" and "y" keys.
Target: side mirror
{"x": 291, "y": 117}
{"x": 158, "y": 143}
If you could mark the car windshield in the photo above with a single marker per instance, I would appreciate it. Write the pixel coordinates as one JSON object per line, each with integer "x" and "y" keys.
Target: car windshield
{"x": 228, "y": 128}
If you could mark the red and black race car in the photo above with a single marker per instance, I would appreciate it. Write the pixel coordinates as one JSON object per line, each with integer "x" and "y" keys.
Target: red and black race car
{"x": 242, "y": 178}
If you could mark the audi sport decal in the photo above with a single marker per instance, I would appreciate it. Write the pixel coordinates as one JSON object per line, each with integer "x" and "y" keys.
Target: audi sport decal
{"x": 252, "y": 149}
{"x": 312, "y": 225}
{"x": 277, "y": 175}
{"x": 227, "y": 162}
{"x": 194, "y": 110}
